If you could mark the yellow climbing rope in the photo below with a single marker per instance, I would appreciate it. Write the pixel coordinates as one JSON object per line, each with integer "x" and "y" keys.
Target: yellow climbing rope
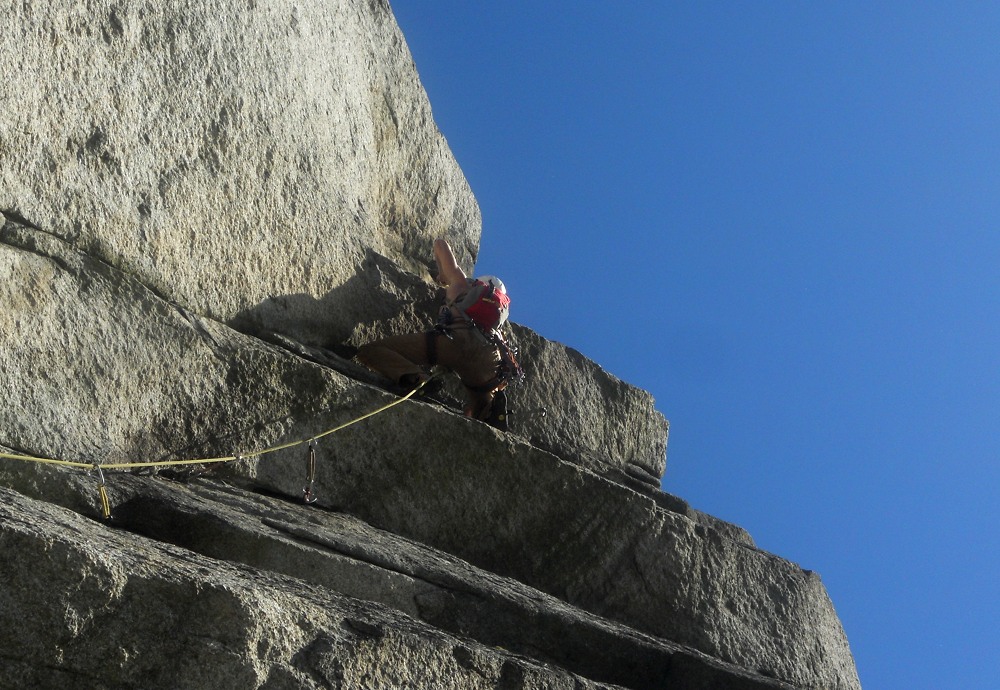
{"x": 198, "y": 461}
{"x": 48, "y": 461}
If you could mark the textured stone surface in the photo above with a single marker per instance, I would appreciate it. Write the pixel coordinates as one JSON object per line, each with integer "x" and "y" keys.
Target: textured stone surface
{"x": 244, "y": 158}
{"x": 148, "y": 381}
{"x": 338, "y": 552}
{"x": 100, "y": 608}
{"x": 606, "y": 422}
{"x": 97, "y": 367}
{"x": 520, "y": 512}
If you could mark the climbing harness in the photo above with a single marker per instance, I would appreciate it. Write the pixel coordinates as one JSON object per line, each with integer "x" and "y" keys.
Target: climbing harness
{"x": 439, "y": 330}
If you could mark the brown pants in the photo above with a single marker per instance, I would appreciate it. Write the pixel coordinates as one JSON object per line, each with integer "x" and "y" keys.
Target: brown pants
{"x": 467, "y": 353}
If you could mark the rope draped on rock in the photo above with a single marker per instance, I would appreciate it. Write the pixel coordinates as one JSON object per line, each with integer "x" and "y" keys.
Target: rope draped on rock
{"x": 309, "y": 496}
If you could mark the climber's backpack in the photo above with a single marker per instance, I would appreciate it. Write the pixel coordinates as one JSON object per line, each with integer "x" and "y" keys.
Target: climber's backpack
{"x": 487, "y": 309}
{"x": 484, "y": 305}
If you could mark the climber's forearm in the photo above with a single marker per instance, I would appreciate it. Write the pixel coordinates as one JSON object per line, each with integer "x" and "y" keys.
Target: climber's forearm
{"x": 449, "y": 272}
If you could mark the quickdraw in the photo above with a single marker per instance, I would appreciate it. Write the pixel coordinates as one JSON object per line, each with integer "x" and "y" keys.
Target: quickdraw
{"x": 102, "y": 491}
{"x": 307, "y": 491}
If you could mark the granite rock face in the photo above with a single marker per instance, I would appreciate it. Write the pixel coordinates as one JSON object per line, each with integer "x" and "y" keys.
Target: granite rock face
{"x": 242, "y": 158}
{"x": 133, "y": 612}
{"x": 205, "y": 208}
{"x": 621, "y": 429}
{"x": 274, "y": 166}
{"x": 148, "y": 380}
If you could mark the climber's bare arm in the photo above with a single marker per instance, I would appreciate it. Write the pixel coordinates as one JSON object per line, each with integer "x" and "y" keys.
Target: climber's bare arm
{"x": 449, "y": 273}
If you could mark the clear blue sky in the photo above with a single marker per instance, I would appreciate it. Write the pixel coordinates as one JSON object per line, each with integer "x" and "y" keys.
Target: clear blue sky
{"x": 781, "y": 219}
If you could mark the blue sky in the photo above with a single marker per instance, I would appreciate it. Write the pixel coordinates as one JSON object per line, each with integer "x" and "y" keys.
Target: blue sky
{"x": 781, "y": 220}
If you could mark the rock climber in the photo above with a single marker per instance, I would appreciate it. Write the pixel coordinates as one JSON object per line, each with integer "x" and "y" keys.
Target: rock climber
{"x": 466, "y": 340}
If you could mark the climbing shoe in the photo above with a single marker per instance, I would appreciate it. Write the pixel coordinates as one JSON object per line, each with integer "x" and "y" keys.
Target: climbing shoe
{"x": 431, "y": 389}
{"x": 411, "y": 381}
